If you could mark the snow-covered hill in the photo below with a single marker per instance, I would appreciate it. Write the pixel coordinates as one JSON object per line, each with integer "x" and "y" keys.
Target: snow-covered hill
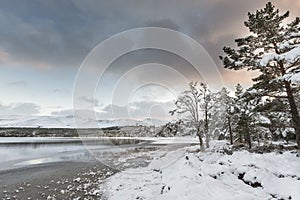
{"x": 69, "y": 122}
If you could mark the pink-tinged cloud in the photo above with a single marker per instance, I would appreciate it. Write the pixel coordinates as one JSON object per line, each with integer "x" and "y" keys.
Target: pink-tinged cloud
{"x": 244, "y": 77}
{"x": 39, "y": 65}
{"x": 3, "y": 56}
{"x": 8, "y": 60}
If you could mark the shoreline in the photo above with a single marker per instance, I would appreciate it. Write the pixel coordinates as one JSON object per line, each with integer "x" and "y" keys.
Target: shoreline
{"x": 71, "y": 179}
{"x": 51, "y": 180}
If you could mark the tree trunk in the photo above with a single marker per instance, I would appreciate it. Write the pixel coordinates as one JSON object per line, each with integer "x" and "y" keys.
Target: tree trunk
{"x": 230, "y": 131}
{"x": 293, "y": 106}
{"x": 294, "y": 111}
{"x": 240, "y": 138}
{"x": 207, "y": 140}
{"x": 200, "y": 139}
{"x": 248, "y": 137}
{"x": 206, "y": 128}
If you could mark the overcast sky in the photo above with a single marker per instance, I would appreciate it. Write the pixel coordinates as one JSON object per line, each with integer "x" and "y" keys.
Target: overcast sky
{"x": 43, "y": 44}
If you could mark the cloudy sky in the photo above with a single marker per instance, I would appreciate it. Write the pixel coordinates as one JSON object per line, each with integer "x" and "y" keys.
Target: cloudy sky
{"x": 43, "y": 45}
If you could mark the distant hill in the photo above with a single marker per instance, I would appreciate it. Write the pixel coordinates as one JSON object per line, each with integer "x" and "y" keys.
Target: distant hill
{"x": 69, "y": 122}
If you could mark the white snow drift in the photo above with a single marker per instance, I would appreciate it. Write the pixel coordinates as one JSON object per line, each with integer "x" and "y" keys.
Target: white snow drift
{"x": 187, "y": 174}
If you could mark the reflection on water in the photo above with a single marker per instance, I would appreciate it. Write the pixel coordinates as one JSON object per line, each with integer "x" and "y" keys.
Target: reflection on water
{"x": 23, "y": 151}
{"x": 28, "y": 151}
{"x": 60, "y": 140}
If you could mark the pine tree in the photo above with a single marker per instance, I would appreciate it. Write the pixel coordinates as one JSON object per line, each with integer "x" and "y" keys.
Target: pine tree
{"x": 222, "y": 113}
{"x": 245, "y": 116}
{"x": 276, "y": 111}
{"x": 239, "y": 105}
{"x": 273, "y": 49}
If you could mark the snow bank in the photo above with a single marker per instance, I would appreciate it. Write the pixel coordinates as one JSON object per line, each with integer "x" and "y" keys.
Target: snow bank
{"x": 186, "y": 174}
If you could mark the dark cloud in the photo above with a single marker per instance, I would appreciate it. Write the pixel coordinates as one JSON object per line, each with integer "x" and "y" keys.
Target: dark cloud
{"x": 58, "y": 33}
{"x": 163, "y": 23}
{"x": 33, "y": 32}
{"x": 61, "y": 33}
{"x": 136, "y": 58}
{"x": 19, "y": 109}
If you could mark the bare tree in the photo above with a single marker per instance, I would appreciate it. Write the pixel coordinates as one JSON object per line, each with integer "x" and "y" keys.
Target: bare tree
{"x": 194, "y": 106}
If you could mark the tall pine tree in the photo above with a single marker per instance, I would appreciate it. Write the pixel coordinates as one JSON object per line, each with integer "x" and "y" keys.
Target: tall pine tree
{"x": 273, "y": 49}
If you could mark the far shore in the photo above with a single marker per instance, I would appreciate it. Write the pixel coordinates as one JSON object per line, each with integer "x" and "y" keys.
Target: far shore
{"x": 114, "y": 131}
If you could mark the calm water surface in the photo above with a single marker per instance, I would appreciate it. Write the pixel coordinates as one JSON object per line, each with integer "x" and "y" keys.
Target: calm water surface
{"x": 18, "y": 152}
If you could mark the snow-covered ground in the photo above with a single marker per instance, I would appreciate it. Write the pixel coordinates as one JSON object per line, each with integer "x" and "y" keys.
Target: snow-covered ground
{"x": 188, "y": 174}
